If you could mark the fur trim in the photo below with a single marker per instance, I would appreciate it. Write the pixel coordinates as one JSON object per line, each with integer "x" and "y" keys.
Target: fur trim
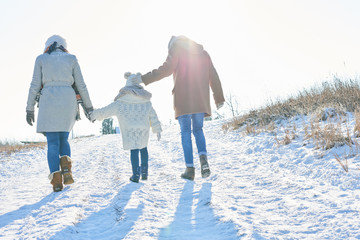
{"x": 51, "y": 175}
{"x": 67, "y": 157}
{"x": 136, "y": 90}
{"x": 55, "y": 38}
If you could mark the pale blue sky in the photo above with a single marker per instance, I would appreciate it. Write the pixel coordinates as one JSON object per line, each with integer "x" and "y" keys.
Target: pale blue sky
{"x": 261, "y": 49}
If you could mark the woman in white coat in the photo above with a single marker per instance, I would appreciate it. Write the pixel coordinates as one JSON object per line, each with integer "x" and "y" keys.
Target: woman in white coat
{"x": 135, "y": 113}
{"x": 56, "y": 74}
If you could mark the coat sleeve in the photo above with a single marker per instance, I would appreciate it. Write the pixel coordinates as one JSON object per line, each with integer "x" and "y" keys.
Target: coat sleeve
{"x": 80, "y": 85}
{"x": 35, "y": 85}
{"x": 163, "y": 71}
{"x": 105, "y": 112}
{"x": 154, "y": 121}
{"x": 215, "y": 84}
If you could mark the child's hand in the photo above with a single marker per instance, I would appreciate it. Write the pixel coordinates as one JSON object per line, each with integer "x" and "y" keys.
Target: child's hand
{"x": 158, "y": 136}
{"x": 92, "y": 118}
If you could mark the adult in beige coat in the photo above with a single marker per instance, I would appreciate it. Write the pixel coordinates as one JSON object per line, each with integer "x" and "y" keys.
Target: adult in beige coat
{"x": 193, "y": 74}
{"x": 55, "y": 73}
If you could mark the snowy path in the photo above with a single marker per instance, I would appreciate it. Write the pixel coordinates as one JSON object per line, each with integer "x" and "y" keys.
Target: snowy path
{"x": 257, "y": 190}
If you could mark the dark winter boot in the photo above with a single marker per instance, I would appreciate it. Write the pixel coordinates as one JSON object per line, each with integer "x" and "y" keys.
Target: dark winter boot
{"x": 65, "y": 164}
{"x": 189, "y": 173}
{"x": 144, "y": 172}
{"x": 56, "y": 181}
{"x": 205, "y": 169}
{"x": 136, "y": 175}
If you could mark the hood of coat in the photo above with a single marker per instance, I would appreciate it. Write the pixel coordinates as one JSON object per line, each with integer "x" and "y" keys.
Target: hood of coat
{"x": 135, "y": 94}
{"x": 185, "y": 43}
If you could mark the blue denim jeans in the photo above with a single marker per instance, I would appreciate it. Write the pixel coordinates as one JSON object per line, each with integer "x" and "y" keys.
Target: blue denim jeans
{"x": 134, "y": 157}
{"x": 197, "y": 121}
{"x": 58, "y": 145}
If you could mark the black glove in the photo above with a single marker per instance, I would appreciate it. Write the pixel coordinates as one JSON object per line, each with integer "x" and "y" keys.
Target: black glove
{"x": 88, "y": 111}
{"x": 30, "y": 117}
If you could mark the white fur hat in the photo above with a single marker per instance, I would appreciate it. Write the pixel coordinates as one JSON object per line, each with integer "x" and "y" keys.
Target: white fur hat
{"x": 130, "y": 79}
{"x": 55, "y": 38}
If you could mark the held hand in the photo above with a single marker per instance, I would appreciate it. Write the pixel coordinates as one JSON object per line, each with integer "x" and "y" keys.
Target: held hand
{"x": 88, "y": 112}
{"x": 30, "y": 117}
{"x": 219, "y": 105}
{"x": 92, "y": 118}
{"x": 158, "y": 136}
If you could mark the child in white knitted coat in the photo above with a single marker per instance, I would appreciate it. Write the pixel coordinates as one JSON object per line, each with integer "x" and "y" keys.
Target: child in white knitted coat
{"x": 133, "y": 108}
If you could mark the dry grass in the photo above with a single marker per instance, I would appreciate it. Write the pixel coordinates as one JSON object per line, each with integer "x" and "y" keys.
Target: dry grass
{"x": 357, "y": 123}
{"x": 287, "y": 139}
{"x": 342, "y": 96}
{"x": 344, "y": 164}
{"x": 326, "y": 107}
{"x": 326, "y": 135}
{"x": 250, "y": 129}
{"x": 9, "y": 148}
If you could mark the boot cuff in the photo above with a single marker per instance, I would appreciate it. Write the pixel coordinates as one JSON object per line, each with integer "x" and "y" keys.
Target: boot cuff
{"x": 67, "y": 157}
{"x": 51, "y": 175}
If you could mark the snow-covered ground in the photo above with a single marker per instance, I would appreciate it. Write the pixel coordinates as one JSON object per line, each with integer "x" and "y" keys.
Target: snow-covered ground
{"x": 258, "y": 190}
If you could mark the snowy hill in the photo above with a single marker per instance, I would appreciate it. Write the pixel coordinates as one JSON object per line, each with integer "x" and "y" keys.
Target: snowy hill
{"x": 258, "y": 190}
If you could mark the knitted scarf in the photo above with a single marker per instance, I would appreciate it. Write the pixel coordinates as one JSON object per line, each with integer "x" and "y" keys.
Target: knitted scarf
{"x": 137, "y": 90}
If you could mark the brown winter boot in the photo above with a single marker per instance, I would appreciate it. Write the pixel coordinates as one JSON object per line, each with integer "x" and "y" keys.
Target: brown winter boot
{"x": 205, "y": 169}
{"x": 65, "y": 164}
{"x": 189, "y": 173}
{"x": 56, "y": 181}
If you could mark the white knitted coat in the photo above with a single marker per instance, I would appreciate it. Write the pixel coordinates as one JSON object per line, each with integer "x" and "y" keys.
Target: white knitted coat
{"x": 56, "y": 73}
{"x": 135, "y": 114}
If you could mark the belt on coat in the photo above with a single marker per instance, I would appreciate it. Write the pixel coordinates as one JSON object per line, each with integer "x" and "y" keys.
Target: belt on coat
{"x": 57, "y": 84}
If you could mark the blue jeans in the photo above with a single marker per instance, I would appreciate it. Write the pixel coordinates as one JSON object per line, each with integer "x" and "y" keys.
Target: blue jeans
{"x": 58, "y": 145}
{"x": 197, "y": 120}
{"x": 134, "y": 157}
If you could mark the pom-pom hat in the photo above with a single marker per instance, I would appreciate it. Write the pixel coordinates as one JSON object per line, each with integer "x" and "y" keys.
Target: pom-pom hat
{"x": 129, "y": 79}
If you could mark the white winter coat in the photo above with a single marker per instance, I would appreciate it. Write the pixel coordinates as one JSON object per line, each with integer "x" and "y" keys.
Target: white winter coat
{"x": 56, "y": 73}
{"x": 136, "y": 115}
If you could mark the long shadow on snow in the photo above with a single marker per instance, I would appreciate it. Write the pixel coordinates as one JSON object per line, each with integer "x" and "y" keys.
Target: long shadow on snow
{"x": 203, "y": 224}
{"x": 113, "y": 222}
{"x": 25, "y": 210}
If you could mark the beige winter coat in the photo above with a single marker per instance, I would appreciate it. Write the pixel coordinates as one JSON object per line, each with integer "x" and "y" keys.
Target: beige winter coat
{"x": 54, "y": 75}
{"x": 135, "y": 114}
{"x": 193, "y": 73}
